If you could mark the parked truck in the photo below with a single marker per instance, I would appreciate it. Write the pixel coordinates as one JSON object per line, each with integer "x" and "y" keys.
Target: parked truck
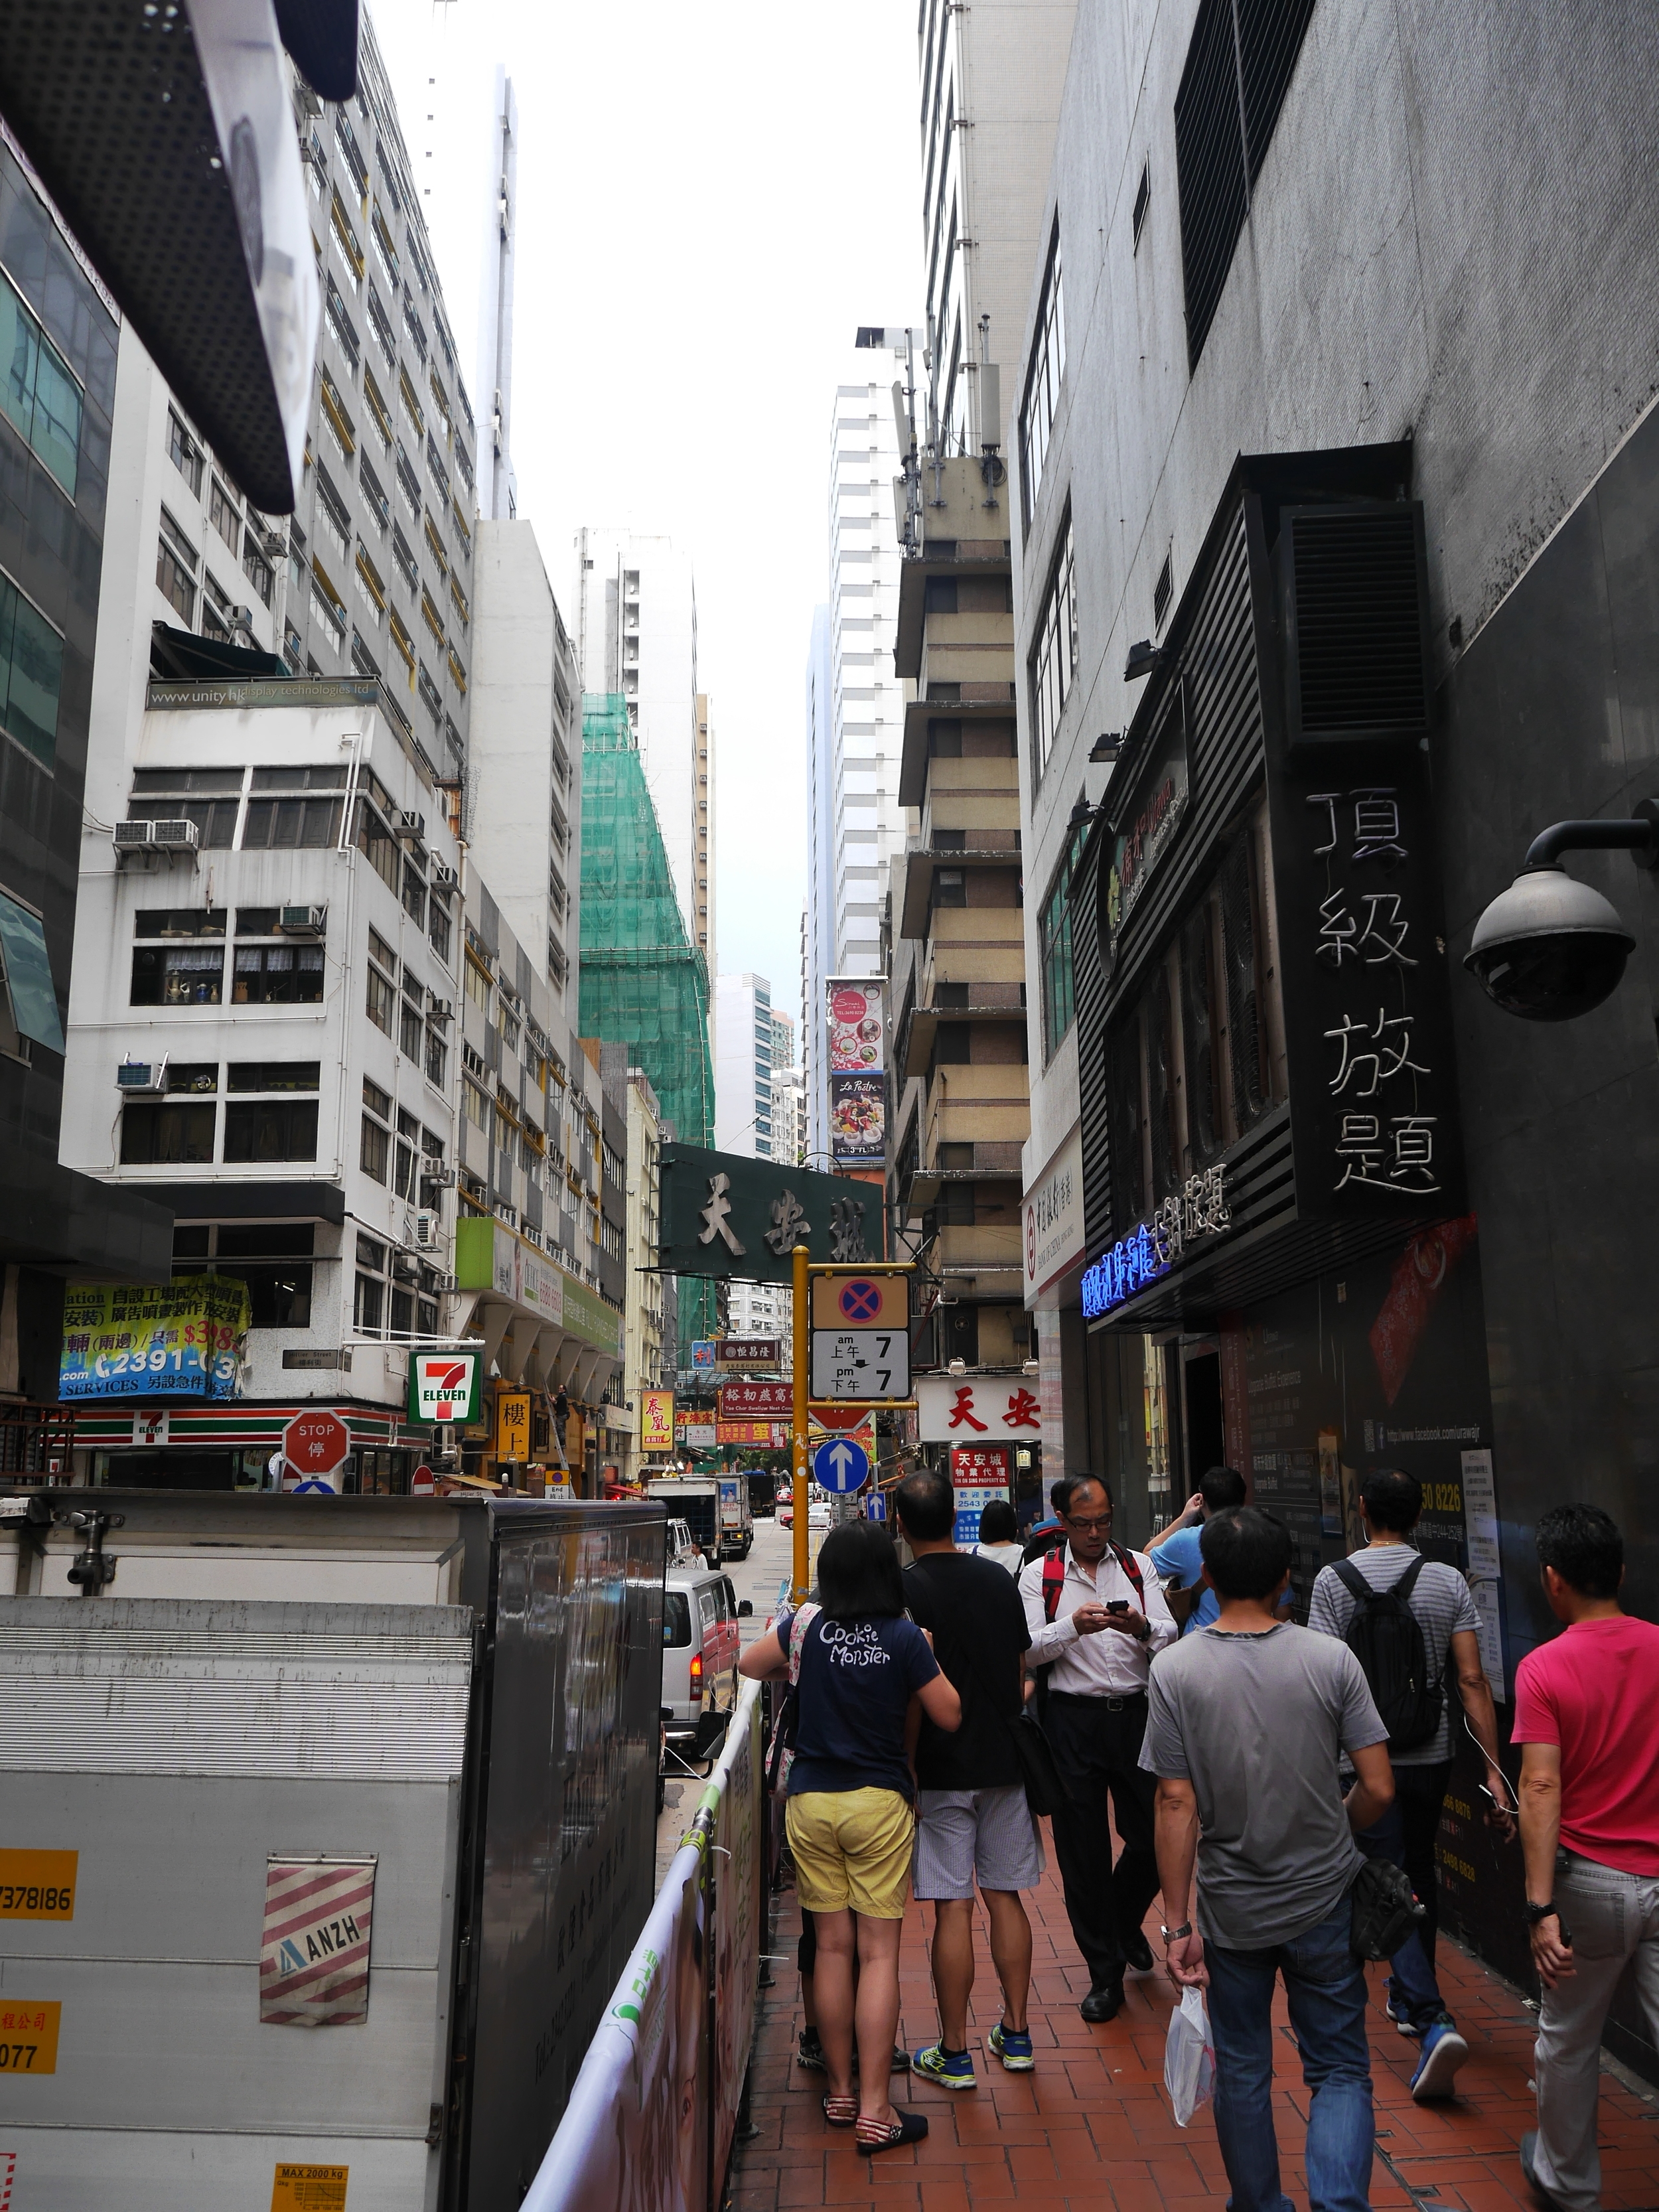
{"x": 327, "y": 1831}
{"x": 695, "y": 1500}
{"x": 736, "y": 1517}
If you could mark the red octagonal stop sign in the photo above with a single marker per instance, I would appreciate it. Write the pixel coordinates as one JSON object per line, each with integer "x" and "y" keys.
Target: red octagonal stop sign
{"x": 315, "y": 1444}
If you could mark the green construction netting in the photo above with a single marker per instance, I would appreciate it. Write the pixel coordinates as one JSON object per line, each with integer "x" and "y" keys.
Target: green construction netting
{"x": 644, "y": 984}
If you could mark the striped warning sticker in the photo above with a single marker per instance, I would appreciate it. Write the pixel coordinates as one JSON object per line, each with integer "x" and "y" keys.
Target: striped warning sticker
{"x": 7, "y": 2175}
{"x": 314, "y": 1961}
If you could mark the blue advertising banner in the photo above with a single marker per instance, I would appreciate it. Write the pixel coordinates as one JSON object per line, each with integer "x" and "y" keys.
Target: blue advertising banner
{"x": 178, "y": 1339}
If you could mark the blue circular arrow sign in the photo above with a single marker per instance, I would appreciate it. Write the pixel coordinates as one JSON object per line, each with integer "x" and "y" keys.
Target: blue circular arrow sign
{"x": 841, "y": 1466}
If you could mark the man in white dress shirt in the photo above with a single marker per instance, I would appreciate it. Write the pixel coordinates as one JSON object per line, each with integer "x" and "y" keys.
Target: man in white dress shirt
{"x": 1096, "y": 1615}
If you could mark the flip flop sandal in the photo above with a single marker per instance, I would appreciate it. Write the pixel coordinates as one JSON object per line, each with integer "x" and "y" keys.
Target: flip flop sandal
{"x": 906, "y": 2128}
{"x": 840, "y": 2112}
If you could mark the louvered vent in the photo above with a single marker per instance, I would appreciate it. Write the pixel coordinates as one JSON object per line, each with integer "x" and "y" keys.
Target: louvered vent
{"x": 1270, "y": 38}
{"x": 1209, "y": 167}
{"x": 1353, "y": 623}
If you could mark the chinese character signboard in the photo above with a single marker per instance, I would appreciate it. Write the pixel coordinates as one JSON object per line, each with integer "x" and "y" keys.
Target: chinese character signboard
{"x": 727, "y": 1216}
{"x": 1367, "y": 1011}
{"x": 1053, "y": 1219}
{"x": 858, "y": 1079}
{"x": 755, "y": 1401}
{"x": 1144, "y": 827}
{"x": 513, "y": 1425}
{"x": 753, "y": 1354}
{"x": 656, "y": 1420}
{"x": 178, "y": 1340}
{"x": 978, "y": 1409}
{"x": 978, "y": 1474}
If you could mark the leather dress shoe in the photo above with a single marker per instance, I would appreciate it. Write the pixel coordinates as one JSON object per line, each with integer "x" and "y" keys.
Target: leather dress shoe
{"x": 1103, "y": 2001}
{"x": 1137, "y": 1952}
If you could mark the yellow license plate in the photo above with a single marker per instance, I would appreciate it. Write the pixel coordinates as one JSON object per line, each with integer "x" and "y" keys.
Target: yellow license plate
{"x": 28, "y": 2036}
{"x": 37, "y": 1885}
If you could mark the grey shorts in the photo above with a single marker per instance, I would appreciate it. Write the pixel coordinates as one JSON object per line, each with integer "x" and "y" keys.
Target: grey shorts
{"x": 962, "y": 1834}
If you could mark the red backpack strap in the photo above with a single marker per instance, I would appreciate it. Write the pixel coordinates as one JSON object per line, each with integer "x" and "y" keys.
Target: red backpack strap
{"x": 1126, "y": 1560}
{"x": 1054, "y": 1581}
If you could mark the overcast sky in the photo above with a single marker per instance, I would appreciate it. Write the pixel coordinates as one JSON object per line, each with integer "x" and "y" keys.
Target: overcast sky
{"x": 710, "y": 201}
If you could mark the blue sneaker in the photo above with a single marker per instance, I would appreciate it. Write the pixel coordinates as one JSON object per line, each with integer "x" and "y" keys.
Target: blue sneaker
{"x": 1012, "y": 2048}
{"x": 952, "y": 2069}
{"x": 1444, "y": 2052}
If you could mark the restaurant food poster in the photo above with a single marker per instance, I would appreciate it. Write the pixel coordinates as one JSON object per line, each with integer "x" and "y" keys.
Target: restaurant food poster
{"x": 858, "y": 1119}
{"x": 855, "y": 1027}
{"x": 150, "y": 1340}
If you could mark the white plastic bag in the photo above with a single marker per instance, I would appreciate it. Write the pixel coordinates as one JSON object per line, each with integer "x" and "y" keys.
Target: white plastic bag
{"x": 1188, "y": 2056}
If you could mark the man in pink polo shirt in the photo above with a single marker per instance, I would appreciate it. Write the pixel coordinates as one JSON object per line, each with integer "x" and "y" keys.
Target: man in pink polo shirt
{"x": 1585, "y": 1711}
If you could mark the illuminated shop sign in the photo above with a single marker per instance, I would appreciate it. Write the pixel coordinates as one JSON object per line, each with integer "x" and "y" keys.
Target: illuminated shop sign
{"x": 1145, "y": 828}
{"x": 1197, "y": 1211}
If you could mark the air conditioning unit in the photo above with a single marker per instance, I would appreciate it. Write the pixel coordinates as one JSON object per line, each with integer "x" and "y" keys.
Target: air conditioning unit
{"x": 439, "y": 1009}
{"x": 436, "y": 1176}
{"x": 276, "y": 544}
{"x": 429, "y": 1228}
{"x": 444, "y": 877}
{"x": 134, "y": 836}
{"x": 301, "y": 921}
{"x": 175, "y": 836}
{"x": 412, "y": 825}
{"x": 405, "y": 1268}
{"x": 142, "y": 1079}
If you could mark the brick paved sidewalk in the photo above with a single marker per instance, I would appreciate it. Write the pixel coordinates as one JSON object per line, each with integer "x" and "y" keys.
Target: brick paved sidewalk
{"x": 1093, "y": 2128}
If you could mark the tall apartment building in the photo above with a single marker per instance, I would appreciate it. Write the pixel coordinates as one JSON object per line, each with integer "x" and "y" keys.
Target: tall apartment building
{"x": 855, "y": 704}
{"x": 991, "y": 77}
{"x": 636, "y": 639}
{"x": 347, "y": 1070}
{"x": 742, "y": 1025}
{"x": 59, "y": 336}
{"x": 789, "y": 1115}
{"x": 817, "y": 931}
{"x": 991, "y": 83}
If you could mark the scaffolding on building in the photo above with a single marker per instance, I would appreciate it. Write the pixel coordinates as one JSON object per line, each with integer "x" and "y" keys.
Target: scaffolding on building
{"x": 644, "y": 983}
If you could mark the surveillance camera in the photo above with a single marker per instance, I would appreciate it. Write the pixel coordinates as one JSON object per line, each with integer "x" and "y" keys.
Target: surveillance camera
{"x": 1548, "y": 948}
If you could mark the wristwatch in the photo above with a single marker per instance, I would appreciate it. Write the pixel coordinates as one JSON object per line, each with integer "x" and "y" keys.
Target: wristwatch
{"x": 1176, "y": 1935}
{"x": 1532, "y": 1914}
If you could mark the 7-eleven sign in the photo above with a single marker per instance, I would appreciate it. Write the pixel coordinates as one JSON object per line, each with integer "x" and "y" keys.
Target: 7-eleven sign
{"x": 443, "y": 1386}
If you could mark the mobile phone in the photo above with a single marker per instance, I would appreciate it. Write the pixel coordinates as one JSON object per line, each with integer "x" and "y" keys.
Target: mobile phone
{"x": 1490, "y": 1800}
{"x": 1117, "y": 1605}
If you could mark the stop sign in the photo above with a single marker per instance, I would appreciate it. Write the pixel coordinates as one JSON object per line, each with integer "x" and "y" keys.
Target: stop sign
{"x": 315, "y": 1444}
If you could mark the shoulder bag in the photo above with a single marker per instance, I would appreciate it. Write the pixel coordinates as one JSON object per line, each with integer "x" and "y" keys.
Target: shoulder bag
{"x": 782, "y": 1755}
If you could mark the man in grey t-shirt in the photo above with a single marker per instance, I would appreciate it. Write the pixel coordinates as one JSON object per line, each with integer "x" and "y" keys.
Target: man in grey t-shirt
{"x": 1439, "y": 1601}
{"x": 1247, "y": 1721}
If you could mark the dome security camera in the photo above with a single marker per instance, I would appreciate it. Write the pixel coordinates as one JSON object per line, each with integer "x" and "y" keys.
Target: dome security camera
{"x": 1550, "y": 948}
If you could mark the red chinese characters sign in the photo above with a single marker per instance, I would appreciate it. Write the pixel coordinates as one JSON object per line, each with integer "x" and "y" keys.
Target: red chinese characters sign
{"x": 754, "y": 1401}
{"x": 976, "y": 1467}
{"x": 314, "y": 1445}
{"x": 993, "y": 1407}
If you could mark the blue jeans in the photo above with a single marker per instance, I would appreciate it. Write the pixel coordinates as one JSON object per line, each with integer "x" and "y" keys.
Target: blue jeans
{"x": 1412, "y": 1983}
{"x": 1325, "y": 1985}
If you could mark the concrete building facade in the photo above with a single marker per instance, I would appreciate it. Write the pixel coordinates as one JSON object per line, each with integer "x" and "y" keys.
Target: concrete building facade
{"x": 1340, "y": 286}
{"x": 742, "y": 1021}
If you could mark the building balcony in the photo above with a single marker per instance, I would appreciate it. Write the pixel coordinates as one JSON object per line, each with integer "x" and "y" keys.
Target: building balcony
{"x": 979, "y": 850}
{"x": 976, "y": 1103}
{"x": 979, "y": 1249}
{"x": 913, "y": 1052}
{"x": 916, "y": 770}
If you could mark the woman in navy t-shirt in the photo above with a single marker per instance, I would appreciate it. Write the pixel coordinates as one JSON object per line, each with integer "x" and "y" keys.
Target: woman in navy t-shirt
{"x": 851, "y": 1816}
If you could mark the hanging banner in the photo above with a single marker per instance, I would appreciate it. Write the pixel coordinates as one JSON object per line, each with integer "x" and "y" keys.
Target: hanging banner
{"x": 858, "y": 1063}
{"x": 146, "y": 1340}
{"x": 314, "y": 1955}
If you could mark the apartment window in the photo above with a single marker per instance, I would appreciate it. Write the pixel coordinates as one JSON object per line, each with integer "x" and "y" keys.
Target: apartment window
{"x": 409, "y": 483}
{"x": 404, "y": 558}
{"x": 273, "y": 1075}
{"x": 351, "y": 252}
{"x": 1055, "y": 948}
{"x": 463, "y": 610}
{"x": 271, "y": 1129}
{"x": 374, "y": 1150}
{"x": 380, "y": 323}
{"x": 368, "y": 1305}
{"x": 475, "y": 1107}
{"x": 31, "y": 674}
{"x": 274, "y": 1259}
{"x": 378, "y": 845}
{"x": 184, "y": 453}
{"x": 277, "y": 975}
{"x": 477, "y": 987}
{"x": 1054, "y": 657}
{"x": 178, "y": 974}
{"x": 437, "y": 1058}
{"x": 258, "y": 570}
{"x": 408, "y": 1147}
{"x": 380, "y": 231}
{"x": 410, "y": 1030}
{"x": 1042, "y": 378}
{"x": 402, "y": 640}
{"x": 181, "y": 921}
{"x": 438, "y": 930}
{"x": 949, "y": 888}
{"x": 1164, "y": 590}
{"x": 225, "y": 514}
{"x": 290, "y": 824}
{"x": 431, "y": 615}
{"x": 1143, "y": 201}
{"x": 436, "y": 546}
{"x": 1238, "y": 69}
{"x": 378, "y": 413}
{"x": 335, "y": 419}
{"x": 381, "y": 999}
{"x": 176, "y": 564}
{"x": 340, "y": 322}
{"x": 380, "y": 509}
{"x": 209, "y": 796}
{"x": 430, "y": 695}
{"x": 39, "y": 395}
{"x": 163, "y": 1133}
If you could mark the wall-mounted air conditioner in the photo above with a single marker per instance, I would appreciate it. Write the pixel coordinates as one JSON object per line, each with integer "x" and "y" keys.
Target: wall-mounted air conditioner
{"x": 134, "y": 836}
{"x": 142, "y": 1079}
{"x": 444, "y": 877}
{"x": 175, "y": 836}
{"x": 413, "y": 825}
{"x": 428, "y": 1228}
{"x": 302, "y": 920}
{"x": 439, "y": 1009}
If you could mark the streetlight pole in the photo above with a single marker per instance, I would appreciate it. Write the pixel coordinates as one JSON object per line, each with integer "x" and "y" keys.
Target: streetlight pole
{"x": 798, "y": 1329}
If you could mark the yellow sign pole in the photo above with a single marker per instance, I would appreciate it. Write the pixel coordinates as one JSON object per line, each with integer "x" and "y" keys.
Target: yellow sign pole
{"x": 800, "y": 1328}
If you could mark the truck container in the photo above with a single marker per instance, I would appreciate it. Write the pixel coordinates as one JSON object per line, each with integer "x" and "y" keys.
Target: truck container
{"x": 736, "y": 1517}
{"x": 695, "y": 1500}
{"x": 326, "y": 1829}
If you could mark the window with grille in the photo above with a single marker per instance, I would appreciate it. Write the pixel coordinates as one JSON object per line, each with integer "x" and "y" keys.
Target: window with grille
{"x": 1054, "y": 656}
{"x": 1238, "y": 69}
{"x": 1047, "y": 366}
{"x": 1055, "y": 947}
{"x": 176, "y": 563}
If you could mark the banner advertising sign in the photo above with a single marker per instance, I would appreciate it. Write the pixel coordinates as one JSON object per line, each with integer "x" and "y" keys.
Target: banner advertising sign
{"x": 697, "y": 1436}
{"x": 1053, "y": 1226}
{"x": 858, "y": 1079}
{"x": 978, "y": 1474}
{"x": 987, "y": 1406}
{"x": 657, "y": 1420}
{"x": 770, "y": 1435}
{"x": 180, "y": 1339}
{"x": 443, "y": 1386}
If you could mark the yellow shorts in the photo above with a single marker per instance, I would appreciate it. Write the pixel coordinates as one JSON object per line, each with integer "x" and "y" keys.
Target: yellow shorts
{"x": 852, "y": 1847}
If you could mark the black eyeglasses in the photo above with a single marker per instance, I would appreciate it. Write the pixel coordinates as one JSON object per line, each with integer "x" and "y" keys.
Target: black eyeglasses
{"x": 1104, "y": 1521}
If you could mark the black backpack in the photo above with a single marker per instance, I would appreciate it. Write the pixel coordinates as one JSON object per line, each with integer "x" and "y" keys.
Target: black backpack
{"x": 1386, "y": 1637}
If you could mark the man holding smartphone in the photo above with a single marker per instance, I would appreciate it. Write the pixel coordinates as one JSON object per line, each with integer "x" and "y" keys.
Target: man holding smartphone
{"x": 1096, "y": 1615}
{"x": 1585, "y": 1705}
